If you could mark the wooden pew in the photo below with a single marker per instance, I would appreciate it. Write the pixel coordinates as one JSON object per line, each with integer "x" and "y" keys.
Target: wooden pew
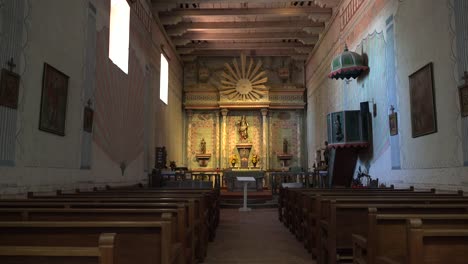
{"x": 341, "y": 221}
{"x": 103, "y": 253}
{"x": 436, "y": 246}
{"x": 300, "y": 202}
{"x": 195, "y": 203}
{"x": 193, "y": 228}
{"x": 387, "y": 236}
{"x": 309, "y": 225}
{"x": 289, "y": 197}
{"x": 135, "y": 242}
{"x": 201, "y": 201}
{"x": 176, "y": 217}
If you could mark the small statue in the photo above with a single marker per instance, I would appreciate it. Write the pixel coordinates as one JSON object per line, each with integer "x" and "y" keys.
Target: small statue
{"x": 326, "y": 153}
{"x": 203, "y": 146}
{"x": 243, "y": 127}
{"x": 254, "y": 160}
{"x": 172, "y": 165}
{"x": 285, "y": 146}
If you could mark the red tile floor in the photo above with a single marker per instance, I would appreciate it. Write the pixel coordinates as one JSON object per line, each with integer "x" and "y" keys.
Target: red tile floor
{"x": 255, "y": 237}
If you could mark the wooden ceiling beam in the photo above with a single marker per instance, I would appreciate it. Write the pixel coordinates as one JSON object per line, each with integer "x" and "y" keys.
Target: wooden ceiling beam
{"x": 310, "y": 26}
{"x": 250, "y": 53}
{"x": 244, "y": 45}
{"x": 300, "y": 36}
{"x": 293, "y": 11}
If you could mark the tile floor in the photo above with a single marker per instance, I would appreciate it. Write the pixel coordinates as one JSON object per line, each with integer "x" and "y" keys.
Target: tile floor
{"x": 255, "y": 237}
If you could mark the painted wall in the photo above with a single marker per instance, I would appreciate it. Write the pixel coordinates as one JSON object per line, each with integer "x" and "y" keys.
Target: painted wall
{"x": 398, "y": 38}
{"x": 129, "y": 118}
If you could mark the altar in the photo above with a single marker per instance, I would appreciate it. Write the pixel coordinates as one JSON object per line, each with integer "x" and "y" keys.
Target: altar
{"x": 230, "y": 176}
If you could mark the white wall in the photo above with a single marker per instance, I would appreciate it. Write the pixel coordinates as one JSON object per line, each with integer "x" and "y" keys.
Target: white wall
{"x": 55, "y": 32}
{"x": 423, "y": 33}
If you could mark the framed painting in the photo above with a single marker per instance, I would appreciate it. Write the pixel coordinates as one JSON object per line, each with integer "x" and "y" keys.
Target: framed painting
{"x": 88, "y": 119}
{"x": 9, "y": 89}
{"x": 393, "y": 124}
{"x": 422, "y": 102}
{"x": 463, "y": 94}
{"x": 53, "y": 101}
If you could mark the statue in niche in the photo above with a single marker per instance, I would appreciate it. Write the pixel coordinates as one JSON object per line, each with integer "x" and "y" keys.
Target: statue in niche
{"x": 203, "y": 146}
{"x": 326, "y": 153}
{"x": 242, "y": 128}
{"x": 285, "y": 146}
{"x": 339, "y": 131}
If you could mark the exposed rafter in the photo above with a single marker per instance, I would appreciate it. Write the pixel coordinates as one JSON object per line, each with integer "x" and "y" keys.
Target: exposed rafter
{"x": 244, "y": 45}
{"x": 235, "y": 53}
{"x": 316, "y": 13}
{"x": 301, "y": 36}
{"x": 306, "y": 25}
{"x": 257, "y": 27}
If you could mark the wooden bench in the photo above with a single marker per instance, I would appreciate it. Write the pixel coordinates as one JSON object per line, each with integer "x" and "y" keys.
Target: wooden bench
{"x": 334, "y": 232}
{"x": 193, "y": 228}
{"x": 201, "y": 203}
{"x": 135, "y": 242}
{"x": 308, "y": 225}
{"x": 175, "y": 216}
{"x": 436, "y": 246}
{"x": 387, "y": 236}
{"x": 103, "y": 253}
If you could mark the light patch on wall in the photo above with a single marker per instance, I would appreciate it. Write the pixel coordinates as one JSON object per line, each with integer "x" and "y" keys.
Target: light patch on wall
{"x": 119, "y": 33}
{"x": 164, "y": 79}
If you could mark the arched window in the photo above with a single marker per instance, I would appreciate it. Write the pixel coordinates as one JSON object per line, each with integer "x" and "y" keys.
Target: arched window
{"x": 119, "y": 33}
{"x": 164, "y": 79}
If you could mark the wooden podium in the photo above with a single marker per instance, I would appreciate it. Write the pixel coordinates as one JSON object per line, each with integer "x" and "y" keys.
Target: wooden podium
{"x": 245, "y": 181}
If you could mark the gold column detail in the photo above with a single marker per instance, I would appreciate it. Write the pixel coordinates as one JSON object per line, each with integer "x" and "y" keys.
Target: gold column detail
{"x": 189, "y": 138}
{"x": 270, "y": 137}
{"x": 299, "y": 133}
{"x": 217, "y": 143}
{"x": 265, "y": 154}
{"x": 224, "y": 161}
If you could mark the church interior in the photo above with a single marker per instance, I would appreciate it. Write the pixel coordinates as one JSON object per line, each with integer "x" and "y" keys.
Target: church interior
{"x": 233, "y": 131}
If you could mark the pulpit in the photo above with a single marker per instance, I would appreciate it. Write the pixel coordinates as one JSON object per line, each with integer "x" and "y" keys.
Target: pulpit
{"x": 245, "y": 181}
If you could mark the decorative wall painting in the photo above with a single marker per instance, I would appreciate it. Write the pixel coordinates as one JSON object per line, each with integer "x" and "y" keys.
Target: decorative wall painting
{"x": 54, "y": 101}
{"x": 9, "y": 89}
{"x": 422, "y": 101}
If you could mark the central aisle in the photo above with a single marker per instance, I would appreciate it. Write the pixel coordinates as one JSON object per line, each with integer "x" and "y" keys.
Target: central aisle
{"x": 255, "y": 237}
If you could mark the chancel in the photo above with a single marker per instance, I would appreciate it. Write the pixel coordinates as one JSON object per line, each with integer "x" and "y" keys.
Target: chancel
{"x": 130, "y": 131}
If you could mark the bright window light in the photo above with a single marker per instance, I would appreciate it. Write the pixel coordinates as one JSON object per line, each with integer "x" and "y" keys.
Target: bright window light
{"x": 119, "y": 35}
{"x": 164, "y": 79}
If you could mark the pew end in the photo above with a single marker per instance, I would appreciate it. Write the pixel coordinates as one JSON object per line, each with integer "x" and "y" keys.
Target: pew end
{"x": 359, "y": 249}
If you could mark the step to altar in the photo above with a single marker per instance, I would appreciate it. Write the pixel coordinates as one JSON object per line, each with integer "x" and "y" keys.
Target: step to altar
{"x": 263, "y": 199}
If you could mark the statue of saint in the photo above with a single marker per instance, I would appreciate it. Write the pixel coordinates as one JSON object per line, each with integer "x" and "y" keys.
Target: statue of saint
{"x": 326, "y": 153}
{"x": 203, "y": 146}
{"x": 285, "y": 146}
{"x": 242, "y": 128}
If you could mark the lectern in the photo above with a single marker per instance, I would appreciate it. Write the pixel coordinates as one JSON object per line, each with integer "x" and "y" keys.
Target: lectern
{"x": 245, "y": 181}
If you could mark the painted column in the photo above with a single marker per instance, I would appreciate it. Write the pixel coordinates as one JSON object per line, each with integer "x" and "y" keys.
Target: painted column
{"x": 270, "y": 137}
{"x": 216, "y": 144}
{"x": 299, "y": 141}
{"x": 223, "y": 155}
{"x": 265, "y": 138}
{"x": 189, "y": 138}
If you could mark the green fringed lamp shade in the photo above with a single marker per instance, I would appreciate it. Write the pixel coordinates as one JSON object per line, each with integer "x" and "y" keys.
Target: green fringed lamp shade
{"x": 347, "y": 65}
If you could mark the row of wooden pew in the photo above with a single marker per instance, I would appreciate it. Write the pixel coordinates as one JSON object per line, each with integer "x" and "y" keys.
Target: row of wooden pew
{"x": 378, "y": 225}
{"x": 113, "y": 226}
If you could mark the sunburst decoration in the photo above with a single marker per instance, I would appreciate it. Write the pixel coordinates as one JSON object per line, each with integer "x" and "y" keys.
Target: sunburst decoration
{"x": 245, "y": 82}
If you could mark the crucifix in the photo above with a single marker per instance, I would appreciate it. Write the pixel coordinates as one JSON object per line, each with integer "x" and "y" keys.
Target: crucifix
{"x": 11, "y": 64}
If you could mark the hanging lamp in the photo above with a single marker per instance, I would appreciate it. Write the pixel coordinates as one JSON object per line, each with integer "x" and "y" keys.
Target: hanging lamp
{"x": 347, "y": 65}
